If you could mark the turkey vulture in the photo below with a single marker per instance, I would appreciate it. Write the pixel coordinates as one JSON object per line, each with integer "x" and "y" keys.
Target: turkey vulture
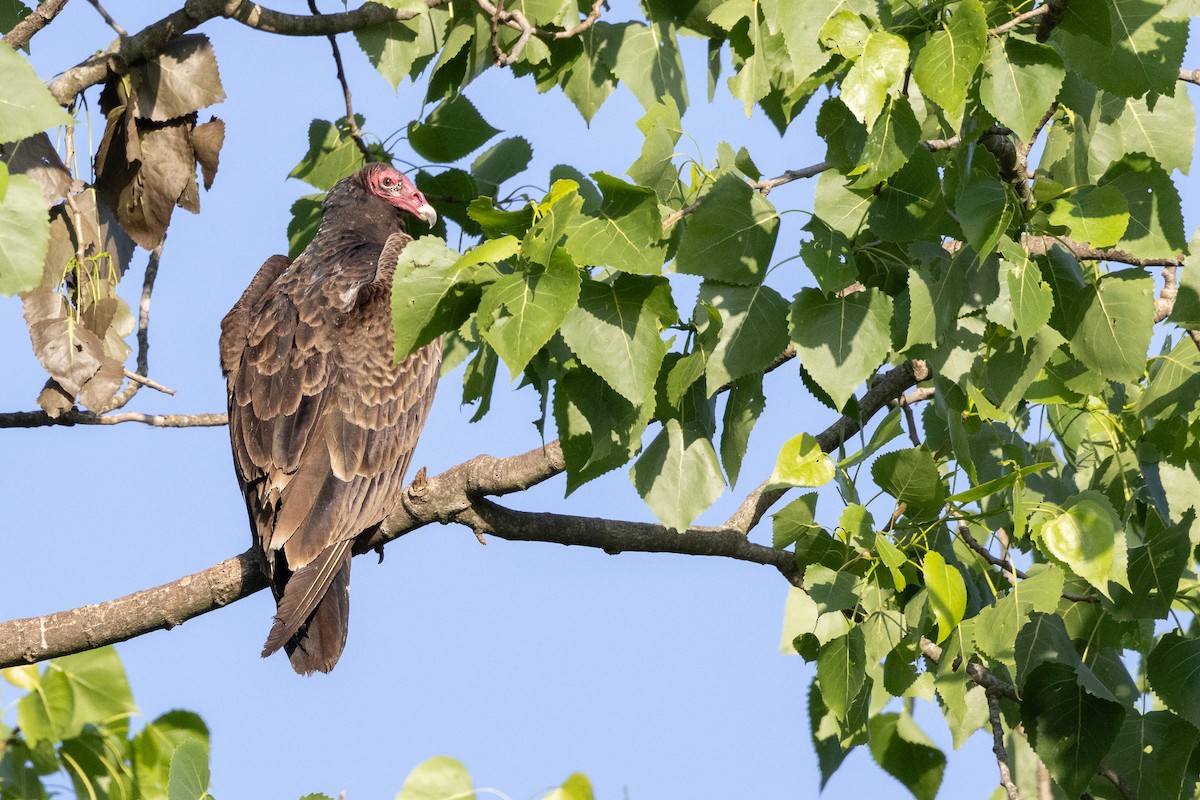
{"x": 322, "y": 421}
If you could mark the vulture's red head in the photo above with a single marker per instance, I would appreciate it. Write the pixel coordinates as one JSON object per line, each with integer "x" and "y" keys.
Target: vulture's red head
{"x": 389, "y": 184}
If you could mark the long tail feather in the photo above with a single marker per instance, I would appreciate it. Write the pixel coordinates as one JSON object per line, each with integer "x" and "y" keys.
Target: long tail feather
{"x": 314, "y": 611}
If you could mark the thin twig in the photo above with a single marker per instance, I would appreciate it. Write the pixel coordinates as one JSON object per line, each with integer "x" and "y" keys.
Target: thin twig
{"x": 1018, "y": 19}
{"x": 1008, "y": 567}
{"x": 351, "y": 123}
{"x": 998, "y": 746}
{"x": 143, "y": 380}
{"x": 519, "y": 22}
{"x": 112, "y": 23}
{"x": 37, "y": 19}
{"x": 122, "y": 398}
{"x": 40, "y": 419}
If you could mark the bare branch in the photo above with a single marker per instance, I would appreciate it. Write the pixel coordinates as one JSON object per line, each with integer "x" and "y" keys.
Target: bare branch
{"x": 112, "y": 23}
{"x": 998, "y": 747}
{"x": 1007, "y": 566}
{"x": 40, "y": 419}
{"x": 39, "y": 18}
{"x": 122, "y": 398}
{"x": 1040, "y": 245}
{"x": 978, "y": 673}
{"x": 1190, "y": 76}
{"x": 351, "y": 123}
{"x": 144, "y": 381}
{"x": 516, "y": 20}
{"x": 1165, "y": 302}
{"x": 128, "y": 51}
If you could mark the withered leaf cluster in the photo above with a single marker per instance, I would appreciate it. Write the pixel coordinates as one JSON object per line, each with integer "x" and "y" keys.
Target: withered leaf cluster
{"x": 145, "y": 167}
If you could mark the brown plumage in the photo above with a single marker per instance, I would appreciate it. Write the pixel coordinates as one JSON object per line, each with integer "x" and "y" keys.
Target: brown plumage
{"x": 322, "y": 422}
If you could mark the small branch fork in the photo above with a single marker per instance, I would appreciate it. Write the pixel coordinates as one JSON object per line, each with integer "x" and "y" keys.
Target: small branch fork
{"x": 519, "y": 22}
{"x": 461, "y": 494}
{"x": 39, "y": 18}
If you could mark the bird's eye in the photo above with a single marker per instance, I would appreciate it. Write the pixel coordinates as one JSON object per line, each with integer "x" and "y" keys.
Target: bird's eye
{"x": 388, "y": 183}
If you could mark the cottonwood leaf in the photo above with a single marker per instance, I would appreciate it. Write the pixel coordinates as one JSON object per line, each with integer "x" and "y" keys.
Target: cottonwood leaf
{"x": 152, "y": 748}
{"x": 1145, "y": 54}
{"x": 615, "y": 331}
{"x": 624, "y": 233}
{"x": 24, "y": 236}
{"x": 1020, "y": 81}
{"x": 1045, "y": 640}
{"x": 600, "y": 430}
{"x": 841, "y": 341}
{"x": 438, "y": 778}
{"x": 429, "y": 296}
{"x": 893, "y": 138}
{"x": 743, "y": 407}
{"x": 907, "y": 754}
{"x": 189, "y": 774}
{"x": 842, "y": 672}
{"x": 1155, "y": 228}
{"x": 1115, "y": 321}
{"x": 678, "y": 475}
{"x": 1085, "y": 536}
{"x": 331, "y": 156}
{"x": 588, "y": 82}
{"x": 945, "y": 67}
{"x": 753, "y": 330}
{"x": 1173, "y": 669}
{"x": 882, "y": 64}
{"x": 1097, "y": 215}
{"x": 183, "y": 78}
{"x": 947, "y": 593}
{"x": 646, "y": 59}
{"x": 801, "y": 462}
{"x": 1069, "y": 728}
{"x": 503, "y": 160}
{"x": 998, "y": 625}
{"x": 28, "y": 106}
{"x": 731, "y": 236}
{"x": 452, "y": 130}
{"x": 520, "y": 311}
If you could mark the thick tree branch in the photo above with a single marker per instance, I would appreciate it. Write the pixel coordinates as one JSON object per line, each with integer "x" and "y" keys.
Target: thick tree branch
{"x": 40, "y": 419}
{"x": 39, "y": 18}
{"x": 1040, "y": 245}
{"x": 457, "y": 495}
{"x": 148, "y": 42}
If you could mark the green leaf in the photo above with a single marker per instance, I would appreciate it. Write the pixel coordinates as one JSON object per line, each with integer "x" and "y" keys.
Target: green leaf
{"x": 998, "y": 625}
{"x": 1085, "y": 536}
{"x": 753, "y": 330}
{"x": 838, "y": 206}
{"x": 154, "y": 745}
{"x": 1097, "y": 215}
{"x": 842, "y": 672}
{"x": 615, "y": 331}
{"x": 12, "y": 12}
{"x": 302, "y": 227}
{"x": 946, "y": 65}
{"x": 1030, "y": 299}
{"x": 1020, "y": 81}
{"x": 623, "y": 234}
{"x": 429, "y": 297}
{"x": 402, "y": 49}
{"x": 503, "y": 160}
{"x": 947, "y": 592}
{"x": 881, "y": 65}
{"x": 496, "y": 223}
{"x": 1146, "y": 53}
{"x": 794, "y": 520}
{"x": 521, "y": 311}
{"x": 893, "y": 138}
{"x": 189, "y": 775}
{"x": 678, "y": 475}
{"x": 600, "y": 430}
{"x": 1155, "y": 569}
{"x": 1155, "y": 227}
{"x": 845, "y": 34}
{"x": 1152, "y": 751}
{"x": 489, "y": 251}
{"x": 588, "y": 81}
{"x": 1116, "y": 318}
{"x": 1174, "y": 385}
{"x": 575, "y": 787}
{"x": 24, "y": 236}
{"x": 655, "y": 166}
{"x": 1070, "y": 729}
{"x": 452, "y": 130}
{"x": 907, "y": 754}
{"x": 47, "y": 711}
{"x": 910, "y": 201}
{"x": 647, "y": 60}
{"x": 332, "y": 155}
{"x": 743, "y": 407}
{"x": 1128, "y": 125}
{"x": 438, "y": 778}
{"x": 984, "y": 211}
{"x": 1044, "y": 639}
{"x": 799, "y": 24}
{"x": 556, "y": 213}
{"x": 833, "y": 740}
{"x": 28, "y": 107}
{"x": 1173, "y": 669}
{"x": 911, "y": 476}
{"x": 841, "y": 340}
{"x": 731, "y": 236}
{"x": 802, "y": 463}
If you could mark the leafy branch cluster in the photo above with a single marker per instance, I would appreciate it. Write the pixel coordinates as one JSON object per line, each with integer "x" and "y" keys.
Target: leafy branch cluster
{"x": 1034, "y": 540}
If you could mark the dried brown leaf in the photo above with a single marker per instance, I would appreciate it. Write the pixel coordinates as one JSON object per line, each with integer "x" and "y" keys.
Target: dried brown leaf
{"x": 54, "y": 400}
{"x": 206, "y": 141}
{"x": 96, "y": 229}
{"x": 101, "y": 387}
{"x": 37, "y": 159}
{"x": 182, "y": 80}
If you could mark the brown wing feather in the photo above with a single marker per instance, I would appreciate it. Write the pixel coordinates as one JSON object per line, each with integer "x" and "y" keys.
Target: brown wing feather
{"x": 323, "y": 425}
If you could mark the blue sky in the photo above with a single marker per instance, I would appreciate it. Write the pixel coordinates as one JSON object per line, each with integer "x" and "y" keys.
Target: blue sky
{"x": 658, "y": 676}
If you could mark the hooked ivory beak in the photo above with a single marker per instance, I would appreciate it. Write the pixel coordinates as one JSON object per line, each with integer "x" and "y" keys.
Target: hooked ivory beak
{"x": 427, "y": 213}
